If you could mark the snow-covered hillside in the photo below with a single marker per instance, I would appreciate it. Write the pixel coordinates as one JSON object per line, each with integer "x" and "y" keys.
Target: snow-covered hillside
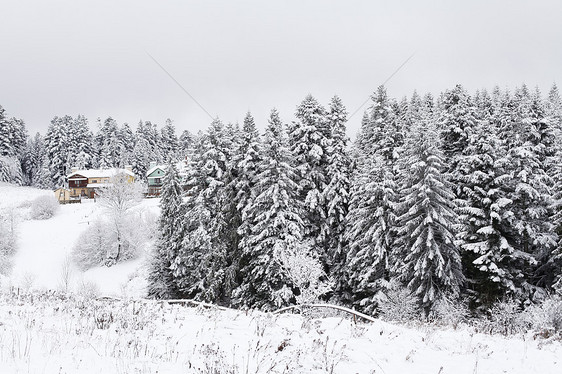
{"x": 43, "y": 247}
{"x": 45, "y": 331}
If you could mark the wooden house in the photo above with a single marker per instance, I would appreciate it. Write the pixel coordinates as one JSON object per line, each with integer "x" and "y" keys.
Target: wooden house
{"x": 155, "y": 177}
{"x": 84, "y": 183}
{"x": 62, "y": 195}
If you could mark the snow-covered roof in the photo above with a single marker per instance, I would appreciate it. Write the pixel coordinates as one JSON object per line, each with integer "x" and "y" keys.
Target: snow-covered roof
{"x": 180, "y": 166}
{"x": 154, "y": 168}
{"x": 101, "y": 173}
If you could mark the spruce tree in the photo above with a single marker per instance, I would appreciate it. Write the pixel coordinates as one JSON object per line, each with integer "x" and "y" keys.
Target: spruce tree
{"x": 161, "y": 282}
{"x": 200, "y": 267}
{"x": 309, "y": 142}
{"x": 272, "y": 227}
{"x": 336, "y": 193}
{"x": 428, "y": 261}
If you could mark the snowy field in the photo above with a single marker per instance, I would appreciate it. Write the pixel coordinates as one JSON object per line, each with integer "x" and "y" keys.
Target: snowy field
{"x": 44, "y": 247}
{"x": 42, "y": 331}
{"x": 48, "y": 334}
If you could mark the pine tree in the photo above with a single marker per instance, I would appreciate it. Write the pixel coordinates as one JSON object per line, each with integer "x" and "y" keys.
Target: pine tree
{"x": 370, "y": 234}
{"x": 309, "y": 141}
{"x": 456, "y": 121}
{"x": 199, "y": 268}
{"x": 273, "y": 226}
{"x": 161, "y": 282}
{"x": 110, "y": 144}
{"x": 57, "y": 149}
{"x": 489, "y": 256}
{"x": 336, "y": 193}
{"x": 170, "y": 146}
{"x": 427, "y": 260}
{"x": 185, "y": 143}
{"x": 243, "y": 178}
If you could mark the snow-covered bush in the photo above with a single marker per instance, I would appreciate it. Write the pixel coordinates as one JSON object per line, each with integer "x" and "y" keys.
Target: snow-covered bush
{"x": 98, "y": 244}
{"x": 118, "y": 197}
{"x": 44, "y": 207}
{"x": 450, "y": 311}
{"x": 306, "y": 273}
{"x": 546, "y": 317}
{"x": 506, "y": 318}
{"x": 7, "y": 239}
{"x": 398, "y": 304}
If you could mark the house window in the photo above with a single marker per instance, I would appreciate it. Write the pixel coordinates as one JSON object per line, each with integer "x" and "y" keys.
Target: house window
{"x": 94, "y": 181}
{"x": 157, "y": 180}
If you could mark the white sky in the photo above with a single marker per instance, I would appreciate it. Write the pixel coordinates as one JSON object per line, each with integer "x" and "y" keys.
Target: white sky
{"x": 89, "y": 57}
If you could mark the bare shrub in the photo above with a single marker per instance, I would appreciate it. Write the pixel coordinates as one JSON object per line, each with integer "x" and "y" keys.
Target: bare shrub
{"x": 506, "y": 317}
{"x": 8, "y": 238}
{"x": 44, "y": 207}
{"x": 450, "y": 311}
{"x": 546, "y": 317}
{"x": 399, "y": 304}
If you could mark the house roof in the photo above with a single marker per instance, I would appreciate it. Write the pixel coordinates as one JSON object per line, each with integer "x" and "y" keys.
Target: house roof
{"x": 154, "y": 168}
{"x": 100, "y": 173}
{"x": 180, "y": 166}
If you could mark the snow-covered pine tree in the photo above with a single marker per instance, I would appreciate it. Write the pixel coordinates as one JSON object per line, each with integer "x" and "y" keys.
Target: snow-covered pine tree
{"x": 490, "y": 258}
{"x": 13, "y": 140}
{"x": 428, "y": 260}
{"x": 141, "y": 158}
{"x": 336, "y": 193}
{"x": 185, "y": 143}
{"x": 369, "y": 234}
{"x": 56, "y": 147}
{"x": 110, "y": 144}
{"x": 161, "y": 282}
{"x": 554, "y": 108}
{"x": 243, "y": 172}
{"x": 272, "y": 227}
{"x": 371, "y": 218}
{"x": 170, "y": 145}
{"x": 533, "y": 192}
{"x": 80, "y": 143}
{"x": 309, "y": 142}
{"x": 386, "y": 135}
{"x": 456, "y": 119}
{"x": 199, "y": 268}
{"x": 128, "y": 139}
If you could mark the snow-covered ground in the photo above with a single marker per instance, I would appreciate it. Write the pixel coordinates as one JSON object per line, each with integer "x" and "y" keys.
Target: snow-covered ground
{"x": 42, "y": 332}
{"x": 44, "y": 246}
{"x": 47, "y": 334}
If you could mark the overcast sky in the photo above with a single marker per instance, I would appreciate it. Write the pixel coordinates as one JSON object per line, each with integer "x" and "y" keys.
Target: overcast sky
{"x": 90, "y": 57}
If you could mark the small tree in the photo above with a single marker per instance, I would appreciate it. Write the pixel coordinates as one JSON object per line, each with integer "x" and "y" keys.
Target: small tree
{"x": 118, "y": 197}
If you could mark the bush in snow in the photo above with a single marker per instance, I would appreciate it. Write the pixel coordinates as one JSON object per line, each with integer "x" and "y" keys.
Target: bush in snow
{"x": 306, "y": 273}
{"x": 399, "y": 304}
{"x": 450, "y": 311}
{"x": 98, "y": 244}
{"x": 118, "y": 197}
{"x": 506, "y": 318}
{"x": 7, "y": 239}
{"x": 546, "y": 317}
{"x": 44, "y": 207}
{"x": 91, "y": 248}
